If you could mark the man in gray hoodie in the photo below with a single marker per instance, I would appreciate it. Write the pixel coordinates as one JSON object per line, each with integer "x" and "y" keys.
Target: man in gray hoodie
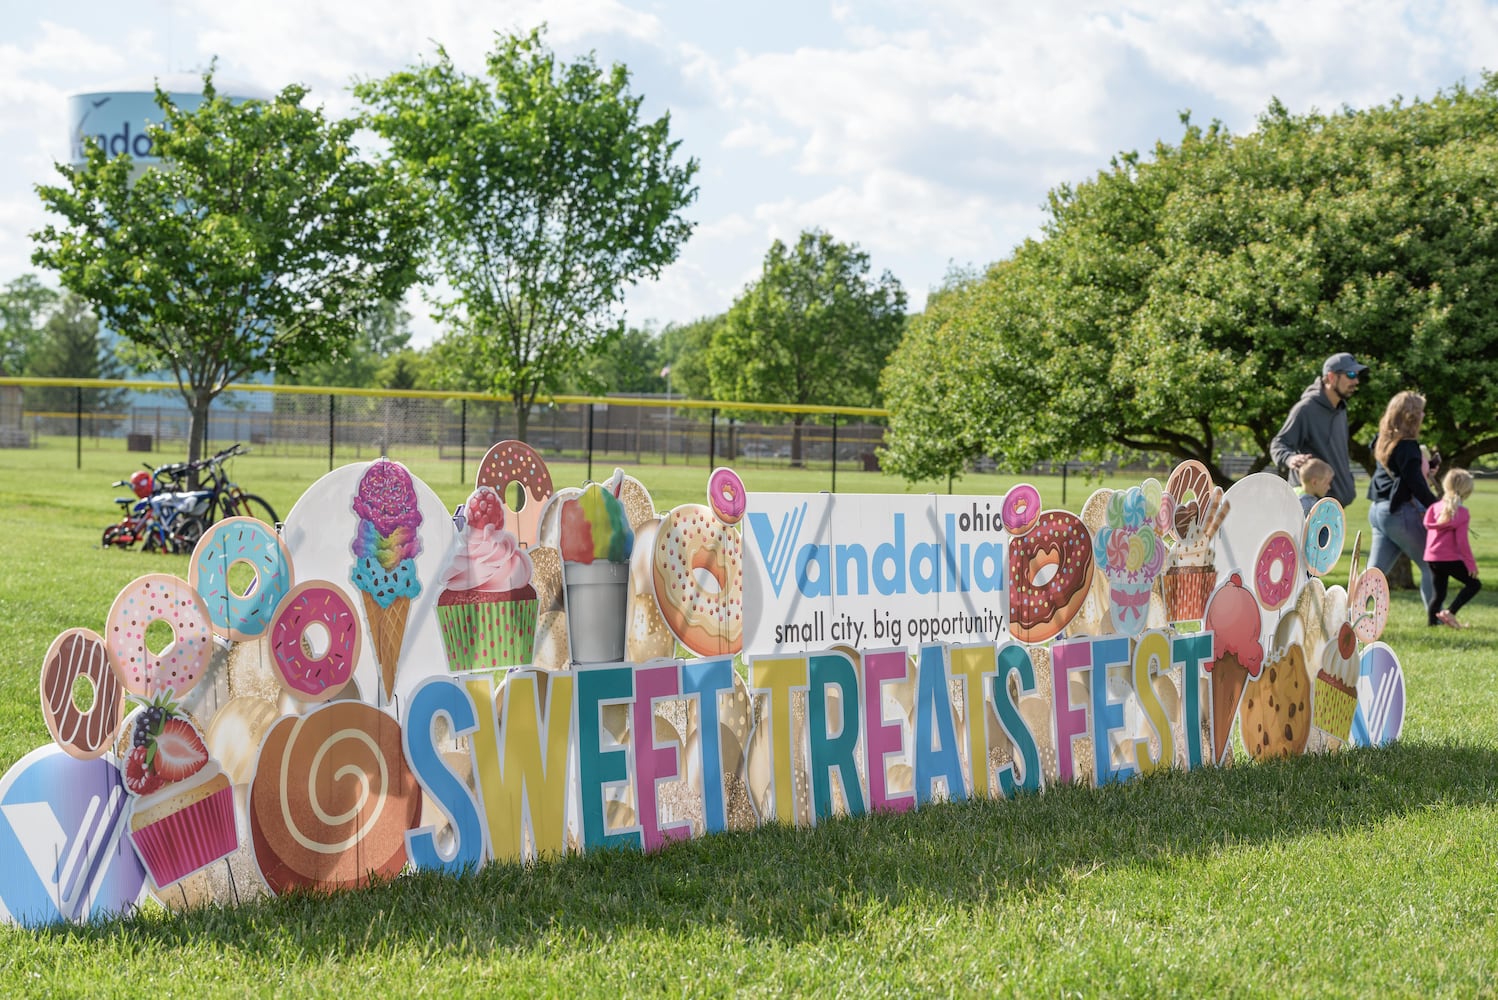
{"x": 1317, "y": 426}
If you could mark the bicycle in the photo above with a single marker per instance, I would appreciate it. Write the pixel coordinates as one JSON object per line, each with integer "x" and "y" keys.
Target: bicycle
{"x": 158, "y": 517}
{"x": 229, "y": 499}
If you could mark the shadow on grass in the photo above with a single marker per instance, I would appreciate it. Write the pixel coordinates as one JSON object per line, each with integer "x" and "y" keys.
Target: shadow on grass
{"x": 791, "y": 884}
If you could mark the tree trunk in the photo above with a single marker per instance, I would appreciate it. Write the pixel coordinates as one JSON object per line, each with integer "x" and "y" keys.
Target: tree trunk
{"x": 522, "y": 418}
{"x": 796, "y": 461}
{"x": 1401, "y": 575}
{"x": 197, "y": 435}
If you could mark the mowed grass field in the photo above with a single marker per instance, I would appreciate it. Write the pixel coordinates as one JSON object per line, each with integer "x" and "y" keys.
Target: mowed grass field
{"x": 1364, "y": 873}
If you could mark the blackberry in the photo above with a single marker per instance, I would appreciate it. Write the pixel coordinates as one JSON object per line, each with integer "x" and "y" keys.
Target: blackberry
{"x": 149, "y": 724}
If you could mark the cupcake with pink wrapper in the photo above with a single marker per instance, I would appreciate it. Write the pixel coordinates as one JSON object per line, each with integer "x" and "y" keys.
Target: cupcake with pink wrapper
{"x": 596, "y": 542}
{"x": 1129, "y": 550}
{"x": 488, "y": 607}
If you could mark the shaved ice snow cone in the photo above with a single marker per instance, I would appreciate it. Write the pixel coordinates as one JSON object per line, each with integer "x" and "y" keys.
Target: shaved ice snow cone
{"x": 596, "y": 544}
{"x": 387, "y": 630}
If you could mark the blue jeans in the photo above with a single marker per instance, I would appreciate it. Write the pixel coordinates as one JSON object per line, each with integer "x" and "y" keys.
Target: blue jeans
{"x": 1399, "y": 531}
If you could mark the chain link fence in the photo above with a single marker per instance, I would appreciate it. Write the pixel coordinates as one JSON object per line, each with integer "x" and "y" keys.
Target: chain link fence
{"x": 349, "y": 424}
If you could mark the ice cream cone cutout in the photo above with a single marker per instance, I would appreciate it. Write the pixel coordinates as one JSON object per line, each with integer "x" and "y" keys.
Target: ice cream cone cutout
{"x": 385, "y": 546}
{"x": 1237, "y": 655}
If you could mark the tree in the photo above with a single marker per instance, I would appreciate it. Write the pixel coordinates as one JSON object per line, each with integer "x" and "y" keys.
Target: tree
{"x": 813, "y": 329}
{"x": 630, "y": 363}
{"x": 547, "y": 196}
{"x": 259, "y": 243}
{"x": 684, "y": 348}
{"x": 72, "y": 345}
{"x": 384, "y": 331}
{"x": 25, "y": 304}
{"x": 1177, "y": 302}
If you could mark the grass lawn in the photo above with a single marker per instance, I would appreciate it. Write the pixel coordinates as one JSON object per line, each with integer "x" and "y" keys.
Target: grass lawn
{"x": 1370, "y": 872}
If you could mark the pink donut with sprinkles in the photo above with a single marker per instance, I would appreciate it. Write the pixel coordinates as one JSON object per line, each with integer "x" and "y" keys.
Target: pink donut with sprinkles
{"x": 1021, "y": 509}
{"x": 307, "y": 675}
{"x": 1274, "y": 571}
{"x": 1368, "y": 607}
{"x": 725, "y": 494}
{"x": 158, "y": 597}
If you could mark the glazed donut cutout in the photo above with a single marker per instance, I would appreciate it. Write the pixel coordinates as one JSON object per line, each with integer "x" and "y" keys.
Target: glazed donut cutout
{"x": 1325, "y": 533}
{"x": 698, "y": 566}
{"x": 1368, "y": 606}
{"x": 152, "y": 598}
{"x": 314, "y": 640}
{"x": 1021, "y": 509}
{"x": 1050, "y": 571}
{"x": 79, "y": 654}
{"x": 332, "y": 799}
{"x": 249, "y": 542}
{"x": 1275, "y": 571}
{"x": 517, "y": 462}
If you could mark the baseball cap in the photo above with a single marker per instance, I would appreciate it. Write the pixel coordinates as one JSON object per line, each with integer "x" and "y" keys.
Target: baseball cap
{"x": 1346, "y": 364}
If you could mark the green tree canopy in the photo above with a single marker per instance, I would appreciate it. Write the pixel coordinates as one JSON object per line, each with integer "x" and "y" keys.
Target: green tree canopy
{"x": 684, "y": 349}
{"x": 384, "y": 331}
{"x": 25, "y": 304}
{"x": 1175, "y": 301}
{"x": 815, "y": 328}
{"x": 260, "y": 241}
{"x": 72, "y": 345}
{"x": 548, "y": 195}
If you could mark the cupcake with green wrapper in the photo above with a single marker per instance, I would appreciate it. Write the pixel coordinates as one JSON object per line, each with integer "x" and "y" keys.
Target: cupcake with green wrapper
{"x": 488, "y": 607}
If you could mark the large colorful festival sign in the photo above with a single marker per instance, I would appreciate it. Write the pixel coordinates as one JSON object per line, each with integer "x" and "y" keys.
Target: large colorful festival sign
{"x": 385, "y": 685}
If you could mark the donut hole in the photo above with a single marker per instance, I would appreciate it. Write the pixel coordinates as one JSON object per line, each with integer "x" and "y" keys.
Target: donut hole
{"x": 513, "y": 496}
{"x": 316, "y": 640}
{"x": 1324, "y": 537}
{"x": 1044, "y": 566}
{"x": 159, "y": 636}
{"x": 84, "y": 694}
{"x": 706, "y": 581}
{"x": 242, "y": 578}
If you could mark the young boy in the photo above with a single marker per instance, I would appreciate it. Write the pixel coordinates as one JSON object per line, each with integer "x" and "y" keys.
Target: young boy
{"x": 1315, "y": 480}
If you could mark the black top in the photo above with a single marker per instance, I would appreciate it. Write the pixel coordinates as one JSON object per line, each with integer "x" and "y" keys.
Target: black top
{"x": 1404, "y": 478}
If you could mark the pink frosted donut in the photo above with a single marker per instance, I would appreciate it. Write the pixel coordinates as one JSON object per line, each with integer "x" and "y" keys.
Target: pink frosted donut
{"x": 1021, "y": 509}
{"x": 1274, "y": 571}
{"x": 1368, "y": 607}
{"x": 698, "y": 569}
{"x": 153, "y": 598}
{"x": 308, "y": 676}
{"x": 725, "y": 494}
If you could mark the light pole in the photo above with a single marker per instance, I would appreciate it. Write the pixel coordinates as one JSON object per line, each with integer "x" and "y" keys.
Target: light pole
{"x": 666, "y": 374}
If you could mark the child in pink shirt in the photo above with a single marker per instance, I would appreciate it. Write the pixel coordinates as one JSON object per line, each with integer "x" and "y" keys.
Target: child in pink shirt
{"x": 1448, "y": 551}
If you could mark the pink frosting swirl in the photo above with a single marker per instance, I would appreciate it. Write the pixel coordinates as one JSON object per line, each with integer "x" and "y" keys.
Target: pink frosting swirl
{"x": 488, "y": 559}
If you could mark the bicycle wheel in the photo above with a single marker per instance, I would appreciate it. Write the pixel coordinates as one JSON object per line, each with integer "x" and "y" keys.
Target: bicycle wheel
{"x": 185, "y": 534}
{"x": 249, "y": 505}
{"x": 121, "y": 535}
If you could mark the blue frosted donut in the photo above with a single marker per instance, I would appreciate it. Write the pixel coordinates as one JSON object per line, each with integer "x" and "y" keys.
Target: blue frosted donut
{"x": 1326, "y": 530}
{"x": 241, "y": 617}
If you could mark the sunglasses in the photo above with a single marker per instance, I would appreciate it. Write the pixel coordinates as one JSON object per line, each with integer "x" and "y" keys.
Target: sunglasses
{"x": 1351, "y": 374}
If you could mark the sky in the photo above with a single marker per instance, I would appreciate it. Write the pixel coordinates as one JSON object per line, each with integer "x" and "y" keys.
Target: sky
{"x": 927, "y": 133}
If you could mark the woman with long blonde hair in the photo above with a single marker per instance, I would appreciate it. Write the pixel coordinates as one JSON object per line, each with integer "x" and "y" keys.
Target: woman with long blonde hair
{"x": 1399, "y": 491}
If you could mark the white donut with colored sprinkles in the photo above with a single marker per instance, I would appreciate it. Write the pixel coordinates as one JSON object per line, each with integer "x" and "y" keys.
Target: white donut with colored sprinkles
{"x": 158, "y": 597}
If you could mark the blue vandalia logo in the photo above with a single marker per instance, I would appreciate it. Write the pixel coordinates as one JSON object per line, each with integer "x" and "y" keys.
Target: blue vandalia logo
{"x": 944, "y": 564}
